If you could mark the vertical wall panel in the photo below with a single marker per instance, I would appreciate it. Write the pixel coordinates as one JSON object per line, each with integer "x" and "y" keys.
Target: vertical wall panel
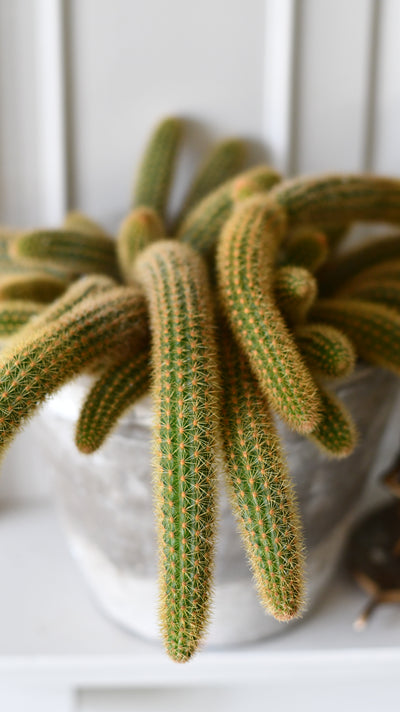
{"x": 32, "y": 164}
{"x": 131, "y": 63}
{"x": 386, "y": 144}
{"x": 332, "y": 85}
{"x": 280, "y": 54}
{"x": 19, "y": 195}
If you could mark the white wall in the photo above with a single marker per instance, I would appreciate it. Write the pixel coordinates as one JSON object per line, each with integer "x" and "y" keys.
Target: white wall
{"x": 314, "y": 83}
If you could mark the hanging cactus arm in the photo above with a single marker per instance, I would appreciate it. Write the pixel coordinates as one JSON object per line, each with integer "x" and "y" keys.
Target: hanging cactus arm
{"x": 156, "y": 170}
{"x": 74, "y": 220}
{"x": 336, "y": 273}
{"x": 386, "y": 270}
{"x": 106, "y": 324}
{"x": 260, "y": 489}
{"x": 334, "y": 200}
{"x": 245, "y": 262}
{"x": 14, "y": 314}
{"x": 295, "y": 290}
{"x": 376, "y": 290}
{"x": 374, "y": 329}
{"x": 307, "y": 248}
{"x": 223, "y": 163}
{"x": 327, "y": 351}
{"x": 139, "y": 229}
{"x": 336, "y": 434}
{"x": 34, "y": 286}
{"x": 203, "y": 224}
{"x": 113, "y": 393}
{"x": 77, "y": 292}
{"x": 66, "y": 250}
{"x": 185, "y": 393}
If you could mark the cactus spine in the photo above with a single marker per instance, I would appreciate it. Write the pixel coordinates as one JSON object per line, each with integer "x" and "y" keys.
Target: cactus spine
{"x": 73, "y": 252}
{"x": 245, "y": 262}
{"x": 156, "y": 170}
{"x": 223, "y": 163}
{"x": 186, "y": 410}
{"x": 295, "y": 291}
{"x": 203, "y": 224}
{"x": 326, "y": 350}
{"x": 374, "y": 329}
{"x": 139, "y": 229}
{"x": 260, "y": 488}
{"x": 116, "y": 390}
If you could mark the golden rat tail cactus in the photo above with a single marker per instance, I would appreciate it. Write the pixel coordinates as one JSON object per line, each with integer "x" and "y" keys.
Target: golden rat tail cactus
{"x": 295, "y": 290}
{"x": 261, "y": 492}
{"x": 203, "y": 224}
{"x": 155, "y": 173}
{"x": 185, "y": 392}
{"x": 224, "y": 162}
{"x": 74, "y": 252}
{"x": 251, "y": 239}
{"x": 268, "y": 245}
{"x": 116, "y": 390}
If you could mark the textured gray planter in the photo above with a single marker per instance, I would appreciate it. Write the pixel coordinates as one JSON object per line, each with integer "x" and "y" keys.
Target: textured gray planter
{"x": 106, "y": 503}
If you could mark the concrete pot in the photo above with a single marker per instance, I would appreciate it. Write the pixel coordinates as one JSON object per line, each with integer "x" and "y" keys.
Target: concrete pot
{"x": 106, "y": 504}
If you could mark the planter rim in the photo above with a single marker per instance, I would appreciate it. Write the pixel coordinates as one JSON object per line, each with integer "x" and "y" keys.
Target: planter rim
{"x": 68, "y": 399}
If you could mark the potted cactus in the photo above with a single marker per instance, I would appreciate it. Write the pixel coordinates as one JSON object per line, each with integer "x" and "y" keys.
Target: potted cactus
{"x": 241, "y": 311}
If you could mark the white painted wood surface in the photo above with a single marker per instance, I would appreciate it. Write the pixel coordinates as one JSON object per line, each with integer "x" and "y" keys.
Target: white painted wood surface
{"x": 55, "y": 642}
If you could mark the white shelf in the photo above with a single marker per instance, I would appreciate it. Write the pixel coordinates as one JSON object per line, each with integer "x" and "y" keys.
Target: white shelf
{"x": 51, "y": 630}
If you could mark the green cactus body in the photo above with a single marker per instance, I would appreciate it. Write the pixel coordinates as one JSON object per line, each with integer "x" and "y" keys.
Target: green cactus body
{"x": 156, "y": 170}
{"x": 74, "y": 220}
{"x": 35, "y": 286}
{"x": 260, "y": 489}
{"x": 14, "y": 314}
{"x": 139, "y": 229}
{"x": 203, "y": 224}
{"x": 307, "y": 248}
{"x": 186, "y": 420}
{"x": 106, "y": 324}
{"x": 223, "y": 163}
{"x": 295, "y": 291}
{"x": 387, "y": 270}
{"x": 334, "y": 200}
{"x": 337, "y": 272}
{"x": 74, "y": 295}
{"x": 245, "y": 262}
{"x": 327, "y": 351}
{"x": 336, "y": 434}
{"x": 112, "y": 394}
{"x": 375, "y": 290}
{"x": 374, "y": 329}
{"x": 66, "y": 250}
